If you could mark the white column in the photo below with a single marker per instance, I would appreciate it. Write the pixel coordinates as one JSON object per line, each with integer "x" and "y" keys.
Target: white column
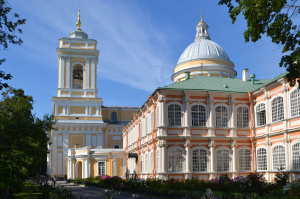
{"x": 73, "y": 169}
{"x": 212, "y": 157}
{"x": 124, "y": 167}
{"x": 163, "y": 112}
{"x": 68, "y": 72}
{"x": 188, "y": 162}
{"x": 164, "y": 158}
{"x": 93, "y": 73}
{"x": 114, "y": 166}
{"x": 269, "y": 158}
{"x": 62, "y": 72}
{"x": 234, "y": 158}
{"x": 87, "y": 72}
{"x": 287, "y": 154}
{"x": 83, "y": 169}
{"x": 87, "y": 168}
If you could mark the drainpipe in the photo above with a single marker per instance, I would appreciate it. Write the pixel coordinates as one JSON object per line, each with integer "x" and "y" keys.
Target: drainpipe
{"x": 251, "y": 126}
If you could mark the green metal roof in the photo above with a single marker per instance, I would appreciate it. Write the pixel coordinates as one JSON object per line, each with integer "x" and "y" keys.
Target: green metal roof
{"x": 219, "y": 84}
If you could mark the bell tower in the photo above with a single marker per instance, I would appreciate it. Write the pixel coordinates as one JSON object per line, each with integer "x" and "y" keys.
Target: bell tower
{"x": 78, "y": 57}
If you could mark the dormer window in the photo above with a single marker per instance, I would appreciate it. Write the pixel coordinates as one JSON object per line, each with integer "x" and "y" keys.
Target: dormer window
{"x": 78, "y": 77}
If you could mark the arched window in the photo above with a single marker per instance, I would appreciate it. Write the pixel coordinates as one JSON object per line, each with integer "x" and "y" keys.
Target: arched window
{"x": 242, "y": 117}
{"x": 199, "y": 160}
{"x": 296, "y": 156}
{"x": 295, "y": 103}
{"x": 198, "y": 115}
{"x": 146, "y": 163}
{"x": 277, "y": 109}
{"x": 260, "y": 115}
{"x": 175, "y": 160}
{"x": 278, "y": 157}
{"x": 244, "y": 160}
{"x": 174, "y": 115}
{"x": 114, "y": 117}
{"x": 221, "y": 116}
{"x": 261, "y": 159}
{"x": 116, "y": 146}
{"x": 78, "y": 77}
{"x": 223, "y": 160}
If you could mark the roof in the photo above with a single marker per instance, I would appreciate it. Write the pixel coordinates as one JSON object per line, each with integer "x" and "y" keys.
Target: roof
{"x": 203, "y": 49}
{"x": 219, "y": 84}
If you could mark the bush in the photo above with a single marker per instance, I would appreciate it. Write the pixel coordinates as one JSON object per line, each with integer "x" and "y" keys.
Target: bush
{"x": 282, "y": 177}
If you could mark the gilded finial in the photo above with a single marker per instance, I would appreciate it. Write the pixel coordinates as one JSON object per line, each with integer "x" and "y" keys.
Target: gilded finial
{"x": 78, "y": 23}
{"x": 201, "y": 15}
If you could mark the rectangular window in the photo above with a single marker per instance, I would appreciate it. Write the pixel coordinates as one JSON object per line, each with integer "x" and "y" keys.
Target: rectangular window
{"x": 101, "y": 168}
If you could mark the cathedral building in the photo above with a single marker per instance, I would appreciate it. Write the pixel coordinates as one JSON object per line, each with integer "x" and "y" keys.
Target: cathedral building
{"x": 208, "y": 123}
{"x": 87, "y": 138}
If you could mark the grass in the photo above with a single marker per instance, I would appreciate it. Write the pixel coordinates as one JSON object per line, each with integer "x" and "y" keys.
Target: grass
{"x": 29, "y": 191}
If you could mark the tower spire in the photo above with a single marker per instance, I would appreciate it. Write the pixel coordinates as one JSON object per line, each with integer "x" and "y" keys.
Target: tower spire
{"x": 78, "y": 23}
{"x": 202, "y": 30}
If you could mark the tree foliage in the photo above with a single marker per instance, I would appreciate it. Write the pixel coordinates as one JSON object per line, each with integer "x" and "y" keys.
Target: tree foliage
{"x": 23, "y": 140}
{"x": 9, "y": 25}
{"x": 276, "y": 19}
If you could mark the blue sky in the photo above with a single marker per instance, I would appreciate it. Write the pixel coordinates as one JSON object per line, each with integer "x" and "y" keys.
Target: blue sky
{"x": 140, "y": 42}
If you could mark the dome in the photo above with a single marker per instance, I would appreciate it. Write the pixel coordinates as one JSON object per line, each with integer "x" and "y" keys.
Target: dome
{"x": 203, "y": 49}
{"x": 203, "y": 57}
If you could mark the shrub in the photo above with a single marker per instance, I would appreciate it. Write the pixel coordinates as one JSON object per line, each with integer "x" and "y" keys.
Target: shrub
{"x": 254, "y": 183}
{"x": 282, "y": 177}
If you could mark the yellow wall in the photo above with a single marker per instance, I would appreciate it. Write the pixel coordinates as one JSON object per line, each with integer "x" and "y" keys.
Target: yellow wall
{"x": 77, "y": 109}
{"x": 79, "y": 170}
{"x": 76, "y": 138}
{"x": 109, "y": 167}
{"x": 120, "y": 167}
{"x": 121, "y": 114}
{"x": 94, "y": 167}
{"x": 198, "y": 62}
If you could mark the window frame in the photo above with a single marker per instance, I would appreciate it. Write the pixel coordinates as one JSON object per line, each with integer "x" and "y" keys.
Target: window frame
{"x": 292, "y": 156}
{"x": 244, "y": 158}
{"x": 174, "y": 114}
{"x": 182, "y": 159}
{"x": 199, "y": 114}
{"x": 297, "y": 101}
{"x": 260, "y": 111}
{"x": 242, "y": 117}
{"x": 262, "y": 155}
{"x": 207, "y": 159}
{"x": 229, "y": 159}
{"x": 273, "y": 159}
{"x": 221, "y": 119}
{"x": 275, "y": 114}
{"x": 101, "y": 161}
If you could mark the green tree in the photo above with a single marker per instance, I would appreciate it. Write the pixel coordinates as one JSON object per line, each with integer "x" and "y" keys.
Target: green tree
{"x": 9, "y": 25}
{"x": 23, "y": 140}
{"x": 276, "y": 19}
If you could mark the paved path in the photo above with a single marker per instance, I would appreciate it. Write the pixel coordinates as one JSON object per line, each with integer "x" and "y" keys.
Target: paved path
{"x": 88, "y": 193}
